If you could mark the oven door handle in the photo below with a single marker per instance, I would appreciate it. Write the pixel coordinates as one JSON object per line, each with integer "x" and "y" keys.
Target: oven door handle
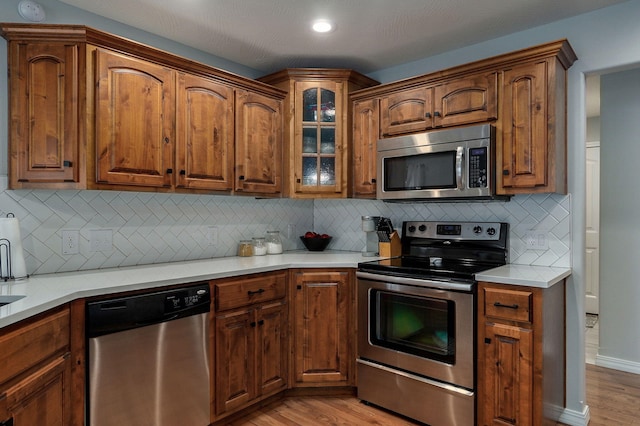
{"x": 416, "y": 281}
{"x": 450, "y": 388}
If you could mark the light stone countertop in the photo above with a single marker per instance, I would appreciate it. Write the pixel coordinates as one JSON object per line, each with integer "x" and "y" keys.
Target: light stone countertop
{"x": 44, "y": 292}
{"x": 526, "y": 275}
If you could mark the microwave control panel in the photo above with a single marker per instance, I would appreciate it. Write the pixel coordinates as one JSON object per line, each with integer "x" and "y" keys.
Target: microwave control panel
{"x": 478, "y": 160}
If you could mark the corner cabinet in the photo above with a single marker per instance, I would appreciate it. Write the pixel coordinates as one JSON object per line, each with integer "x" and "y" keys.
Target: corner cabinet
{"x": 323, "y": 321}
{"x": 35, "y": 379}
{"x": 317, "y": 133}
{"x": 521, "y": 355}
{"x": 90, "y": 110}
{"x": 250, "y": 335}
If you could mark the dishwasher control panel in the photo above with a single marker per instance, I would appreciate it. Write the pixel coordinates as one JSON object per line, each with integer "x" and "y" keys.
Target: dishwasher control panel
{"x": 188, "y": 298}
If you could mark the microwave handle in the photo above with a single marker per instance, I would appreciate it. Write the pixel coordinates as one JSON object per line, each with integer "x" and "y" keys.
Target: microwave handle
{"x": 459, "y": 167}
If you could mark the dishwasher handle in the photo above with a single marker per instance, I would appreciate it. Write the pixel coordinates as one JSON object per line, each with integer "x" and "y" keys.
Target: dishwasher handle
{"x": 129, "y": 312}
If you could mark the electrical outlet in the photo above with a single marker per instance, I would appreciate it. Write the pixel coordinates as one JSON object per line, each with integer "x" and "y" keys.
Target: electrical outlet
{"x": 212, "y": 235}
{"x": 70, "y": 241}
{"x": 536, "y": 240}
{"x": 100, "y": 240}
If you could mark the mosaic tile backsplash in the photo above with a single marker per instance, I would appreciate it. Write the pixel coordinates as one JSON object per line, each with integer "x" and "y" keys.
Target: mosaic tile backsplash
{"x": 149, "y": 228}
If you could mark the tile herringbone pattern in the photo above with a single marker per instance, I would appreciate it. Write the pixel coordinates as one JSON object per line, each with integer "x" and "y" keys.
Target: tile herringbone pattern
{"x": 150, "y": 227}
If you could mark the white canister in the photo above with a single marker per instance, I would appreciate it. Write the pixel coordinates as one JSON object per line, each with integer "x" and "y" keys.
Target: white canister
{"x": 259, "y": 246}
{"x": 273, "y": 242}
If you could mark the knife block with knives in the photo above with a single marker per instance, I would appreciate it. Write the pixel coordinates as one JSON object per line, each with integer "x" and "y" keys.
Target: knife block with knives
{"x": 388, "y": 239}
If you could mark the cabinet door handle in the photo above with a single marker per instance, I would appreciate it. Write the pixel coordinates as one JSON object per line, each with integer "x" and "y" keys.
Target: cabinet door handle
{"x": 252, "y": 323}
{"x": 500, "y": 305}
{"x": 436, "y": 114}
{"x": 373, "y": 181}
{"x": 261, "y": 322}
{"x": 183, "y": 172}
{"x": 169, "y": 171}
{"x": 241, "y": 177}
{"x": 67, "y": 163}
{"x": 428, "y": 115}
{"x": 505, "y": 173}
{"x": 167, "y": 140}
{"x": 259, "y": 291}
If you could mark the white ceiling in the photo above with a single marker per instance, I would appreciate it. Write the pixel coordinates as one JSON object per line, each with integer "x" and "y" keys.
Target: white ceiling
{"x": 268, "y": 35}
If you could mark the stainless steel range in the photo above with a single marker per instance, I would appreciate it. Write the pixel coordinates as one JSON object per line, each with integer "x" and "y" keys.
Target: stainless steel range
{"x": 416, "y": 320}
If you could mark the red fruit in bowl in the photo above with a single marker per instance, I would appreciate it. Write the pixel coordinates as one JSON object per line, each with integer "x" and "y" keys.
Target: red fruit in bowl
{"x": 310, "y": 234}
{"x": 325, "y": 236}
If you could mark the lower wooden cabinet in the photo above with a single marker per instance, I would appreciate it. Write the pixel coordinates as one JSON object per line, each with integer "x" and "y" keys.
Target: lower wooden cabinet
{"x": 521, "y": 356}
{"x": 323, "y": 321}
{"x": 35, "y": 379}
{"x": 250, "y": 340}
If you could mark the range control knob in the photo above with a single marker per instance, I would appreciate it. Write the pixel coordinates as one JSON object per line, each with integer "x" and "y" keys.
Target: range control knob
{"x": 412, "y": 228}
{"x": 422, "y": 228}
{"x": 491, "y": 231}
{"x": 477, "y": 229}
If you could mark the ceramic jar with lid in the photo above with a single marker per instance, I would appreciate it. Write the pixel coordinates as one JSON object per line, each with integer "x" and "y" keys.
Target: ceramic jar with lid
{"x": 273, "y": 242}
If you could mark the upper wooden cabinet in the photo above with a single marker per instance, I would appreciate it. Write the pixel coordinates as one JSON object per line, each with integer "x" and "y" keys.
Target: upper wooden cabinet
{"x": 43, "y": 114}
{"x": 204, "y": 134}
{"x": 406, "y": 111}
{"x": 522, "y": 93}
{"x": 366, "y": 128}
{"x": 317, "y": 133}
{"x": 459, "y": 101}
{"x": 135, "y": 116}
{"x": 258, "y": 144}
{"x": 90, "y": 110}
{"x": 534, "y": 149}
{"x": 466, "y": 100}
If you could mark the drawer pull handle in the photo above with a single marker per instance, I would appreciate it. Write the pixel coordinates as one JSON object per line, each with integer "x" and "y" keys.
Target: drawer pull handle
{"x": 259, "y": 291}
{"x": 500, "y": 305}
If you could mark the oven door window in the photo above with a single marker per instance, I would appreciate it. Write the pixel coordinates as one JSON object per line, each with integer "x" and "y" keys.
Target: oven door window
{"x": 420, "y": 326}
{"x": 422, "y": 171}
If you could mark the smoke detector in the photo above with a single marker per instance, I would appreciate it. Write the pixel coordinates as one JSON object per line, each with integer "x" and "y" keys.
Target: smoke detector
{"x": 31, "y": 11}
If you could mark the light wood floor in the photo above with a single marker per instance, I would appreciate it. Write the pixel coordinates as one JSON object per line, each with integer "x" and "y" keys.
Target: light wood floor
{"x": 613, "y": 398}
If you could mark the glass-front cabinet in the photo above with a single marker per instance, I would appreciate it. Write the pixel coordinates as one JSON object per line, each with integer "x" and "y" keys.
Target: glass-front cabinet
{"x": 317, "y": 129}
{"x": 317, "y": 149}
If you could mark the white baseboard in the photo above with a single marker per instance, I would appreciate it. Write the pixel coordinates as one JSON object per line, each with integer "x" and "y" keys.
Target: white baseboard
{"x": 618, "y": 364}
{"x": 575, "y": 418}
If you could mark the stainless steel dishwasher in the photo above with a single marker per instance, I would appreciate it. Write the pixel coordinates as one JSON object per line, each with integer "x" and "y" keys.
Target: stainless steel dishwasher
{"x": 149, "y": 359}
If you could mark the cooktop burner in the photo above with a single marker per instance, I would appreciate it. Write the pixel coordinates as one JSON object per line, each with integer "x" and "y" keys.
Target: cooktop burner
{"x": 446, "y": 250}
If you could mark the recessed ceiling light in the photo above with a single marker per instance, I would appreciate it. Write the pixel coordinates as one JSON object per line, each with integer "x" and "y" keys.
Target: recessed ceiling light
{"x": 322, "y": 26}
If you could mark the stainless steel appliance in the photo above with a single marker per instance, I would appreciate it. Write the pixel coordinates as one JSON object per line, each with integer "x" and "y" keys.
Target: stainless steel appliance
{"x": 149, "y": 359}
{"x": 416, "y": 320}
{"x": 451, "y": 164}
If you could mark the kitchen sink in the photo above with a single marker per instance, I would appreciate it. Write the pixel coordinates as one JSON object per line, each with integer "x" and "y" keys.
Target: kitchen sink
{"x": 5, "y": 300}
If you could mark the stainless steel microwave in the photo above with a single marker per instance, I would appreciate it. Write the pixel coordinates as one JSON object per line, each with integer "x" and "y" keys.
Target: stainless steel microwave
{"x": 451, "y": 164}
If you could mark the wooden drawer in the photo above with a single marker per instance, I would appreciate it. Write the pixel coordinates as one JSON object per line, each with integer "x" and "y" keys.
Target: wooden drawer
{"x": 30, "y": 344}
{"x": 249, "y": 290}
{"x": 512, "y": 305}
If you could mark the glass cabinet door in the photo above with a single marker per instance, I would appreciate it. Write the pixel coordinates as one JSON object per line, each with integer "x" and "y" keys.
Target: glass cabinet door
{"x": 318, "y": 145}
